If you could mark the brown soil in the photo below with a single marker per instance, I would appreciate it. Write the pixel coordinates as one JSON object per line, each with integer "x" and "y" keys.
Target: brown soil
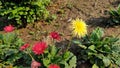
{"x": 94, "y": 12}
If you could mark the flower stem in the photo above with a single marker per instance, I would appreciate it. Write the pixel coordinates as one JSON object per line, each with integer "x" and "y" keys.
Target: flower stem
{"x": 42, "y": 56}
{"x": 30, "y": 56}
{"x": 69, "y": 43}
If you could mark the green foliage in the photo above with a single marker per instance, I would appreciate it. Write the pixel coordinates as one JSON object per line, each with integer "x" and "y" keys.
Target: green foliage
{"x": 9, "y": 49}
{"x": 115, "y": 16}
{"x": 21, "y": 12}
{"x": 99, "y": 50}
{"x": 53, "y": 55}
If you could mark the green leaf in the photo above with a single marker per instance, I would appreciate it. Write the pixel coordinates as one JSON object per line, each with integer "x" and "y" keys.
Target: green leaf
{"x": 27, "y": 8}
{"x": 66, "y": 65}
{"x": 79, "y": 44}
{"x": 91, "y": 53}
{"x": 66, "y": 55}
{"x": 92, "y": 47}
{"x": 1, "y": 42}
{"x": 118, "y": 61}
{"x": 106, "y": 61}
{"x": 0, "y": 3}
{"x": 37, "y": 3}
{"x": 21, "y": 13}
{"x": 76, "y": 42}
{"x": 46, "y": 62}
{"x": 95, "y": 66}
{"x": 28, "y": 20}
{"x": 82, "y": 46}
{"x": 100, "y": 56}
{"x": 1, "y": 36}
{"x": 72, "y": 62}
{"x": 118, "y": 9}
{"x": 97, "y": 34}
{"x": 53, "y": 50}
{"x": 31, "y": 12}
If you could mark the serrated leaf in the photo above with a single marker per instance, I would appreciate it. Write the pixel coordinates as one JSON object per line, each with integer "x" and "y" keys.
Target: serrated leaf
{"x": 66, "y": 55}
{"x": 46, "y": 62}
{"x": 97, "y": 34}
{"x": 72, "y": 62}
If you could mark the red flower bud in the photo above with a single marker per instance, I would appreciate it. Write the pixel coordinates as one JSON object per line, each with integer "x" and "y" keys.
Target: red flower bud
{"x": 55, "y": 35}
{"x": 24, "y": 47}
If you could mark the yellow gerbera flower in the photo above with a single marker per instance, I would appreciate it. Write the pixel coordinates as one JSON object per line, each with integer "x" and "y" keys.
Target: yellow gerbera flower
{"x": 79, "y": 28}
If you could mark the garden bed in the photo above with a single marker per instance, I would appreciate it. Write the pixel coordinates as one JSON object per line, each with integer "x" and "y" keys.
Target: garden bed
{"x": 93, "y": 12}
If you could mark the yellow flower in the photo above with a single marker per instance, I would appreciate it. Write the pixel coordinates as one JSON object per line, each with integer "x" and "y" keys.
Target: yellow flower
{"x": 79, "y": 28}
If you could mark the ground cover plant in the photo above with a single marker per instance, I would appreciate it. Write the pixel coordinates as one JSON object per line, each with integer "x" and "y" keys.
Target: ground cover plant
{"x": 115, "y": 16}
{"x": 9, "y": 48}
{"x": 20, "y": 12}
{"x": 101, "y": 51}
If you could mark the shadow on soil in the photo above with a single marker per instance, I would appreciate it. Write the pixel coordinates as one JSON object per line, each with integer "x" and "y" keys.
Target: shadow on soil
{"x": 98, "y": 22}
{"x": 116, "y": 3}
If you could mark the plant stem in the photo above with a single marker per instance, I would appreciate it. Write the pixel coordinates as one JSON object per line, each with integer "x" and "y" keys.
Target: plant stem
{"x": 69, "y": 43}
{"x": 53, "y": 41}
{"x": 42, "y": 55}
{"x": 30, "y": 56}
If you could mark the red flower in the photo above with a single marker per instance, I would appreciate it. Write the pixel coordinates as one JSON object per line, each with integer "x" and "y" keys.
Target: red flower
{"x": 55, "y": 35}
{"x": 39, "y": 48}
{"x": 54, "y": 66}
{"x": 8, "y": 28}
{"x": 24, "y": 47}
{"x": 35, "y": 64}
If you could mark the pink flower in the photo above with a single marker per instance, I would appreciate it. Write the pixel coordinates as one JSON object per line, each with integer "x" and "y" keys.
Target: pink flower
{"x": 35, "y": 64}
{"x": 24, "y": 47}
{"x": 55, "y": 35}
{"x": 53, "y": 66}
{"x": 39, "y": 48}
{"x": 8, "y": 28}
